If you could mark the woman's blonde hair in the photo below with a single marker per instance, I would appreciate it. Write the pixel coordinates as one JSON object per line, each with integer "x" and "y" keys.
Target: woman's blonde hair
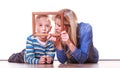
{"x": 70, "y": 22}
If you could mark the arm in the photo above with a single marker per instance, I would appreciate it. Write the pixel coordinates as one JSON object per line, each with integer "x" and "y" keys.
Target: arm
{"x": 29, "y": 56}
{"x": 81, "y": 54}
{"x": 59, "y": 50}
{"x": 61, "y": 56}
{"x": 50, "y": 50}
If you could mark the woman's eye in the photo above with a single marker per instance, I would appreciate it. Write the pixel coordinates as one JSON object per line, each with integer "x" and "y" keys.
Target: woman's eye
{"x": 59, "y": 25}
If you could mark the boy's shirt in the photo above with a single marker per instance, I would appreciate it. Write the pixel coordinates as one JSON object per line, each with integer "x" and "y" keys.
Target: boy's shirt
{"x": 34, "y": 50}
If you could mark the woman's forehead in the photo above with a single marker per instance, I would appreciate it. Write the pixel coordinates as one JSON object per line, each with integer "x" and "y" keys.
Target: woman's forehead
{"x": 58, "y": 21}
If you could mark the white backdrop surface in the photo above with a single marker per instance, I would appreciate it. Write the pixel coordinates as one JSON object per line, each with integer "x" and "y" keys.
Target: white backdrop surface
{"x": 103, "y": 15}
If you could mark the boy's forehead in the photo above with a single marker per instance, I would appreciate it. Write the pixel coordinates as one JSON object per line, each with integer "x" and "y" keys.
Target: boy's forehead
{"x": 41, "y": 17}
{"x": 43, "y": 20}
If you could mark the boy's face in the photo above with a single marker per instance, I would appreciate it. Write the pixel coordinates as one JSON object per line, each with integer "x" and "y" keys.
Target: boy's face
{"x": 43, "y": 25}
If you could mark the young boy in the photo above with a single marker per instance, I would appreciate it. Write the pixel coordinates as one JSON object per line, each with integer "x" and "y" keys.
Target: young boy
{"x": 39, "y": 50}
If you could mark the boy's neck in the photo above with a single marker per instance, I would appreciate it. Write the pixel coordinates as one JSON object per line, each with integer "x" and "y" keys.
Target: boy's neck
{"x": 42, "y": 43}
{"x": 42, "y": 39}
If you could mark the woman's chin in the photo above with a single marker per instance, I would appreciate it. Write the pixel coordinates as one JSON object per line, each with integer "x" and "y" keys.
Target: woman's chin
{"x": 57, "y": 32}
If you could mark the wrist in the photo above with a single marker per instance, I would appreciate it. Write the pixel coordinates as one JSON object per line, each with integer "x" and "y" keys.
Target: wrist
{"x": 71, "y": 46}
{"x": 59, "y": 47}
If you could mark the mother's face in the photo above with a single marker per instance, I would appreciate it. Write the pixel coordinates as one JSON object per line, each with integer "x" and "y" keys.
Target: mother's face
{"x": 58, "y": 26}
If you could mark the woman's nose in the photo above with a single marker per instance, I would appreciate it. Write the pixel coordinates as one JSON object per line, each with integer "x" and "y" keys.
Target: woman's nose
{"x": 56, "y": 27}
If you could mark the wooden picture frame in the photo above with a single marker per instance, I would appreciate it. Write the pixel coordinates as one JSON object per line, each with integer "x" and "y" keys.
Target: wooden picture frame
{"x": 44, "y": 13}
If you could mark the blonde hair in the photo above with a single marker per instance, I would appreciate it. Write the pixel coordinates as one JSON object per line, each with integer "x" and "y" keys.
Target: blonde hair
{"x": 70, "y": 21}
{"x": 39, "y": 16}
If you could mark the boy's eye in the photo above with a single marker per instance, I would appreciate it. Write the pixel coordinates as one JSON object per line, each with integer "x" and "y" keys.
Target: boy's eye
{"x": 47, "y": 25}
{"x": 40, "y": 25}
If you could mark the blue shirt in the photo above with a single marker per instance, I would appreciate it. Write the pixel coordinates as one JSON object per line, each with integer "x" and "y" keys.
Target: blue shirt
{"x": 34, "y": 50}
{"x": 85, "y": 52}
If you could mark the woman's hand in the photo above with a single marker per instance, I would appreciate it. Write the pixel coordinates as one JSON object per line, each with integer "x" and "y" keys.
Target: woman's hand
{"x": 51, "y": 38}
{"x": 65, "y": 37}
{"x": 56, "y": 41}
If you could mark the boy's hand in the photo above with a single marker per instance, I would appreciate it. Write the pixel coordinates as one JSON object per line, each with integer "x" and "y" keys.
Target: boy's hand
{"x": 42, "y": 60}
{"x": 45, "y": 59}
{"x": 49, "y": 59}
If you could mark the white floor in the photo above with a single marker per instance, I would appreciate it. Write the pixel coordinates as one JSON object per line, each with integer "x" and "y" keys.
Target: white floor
{"x": 100, "y": 64}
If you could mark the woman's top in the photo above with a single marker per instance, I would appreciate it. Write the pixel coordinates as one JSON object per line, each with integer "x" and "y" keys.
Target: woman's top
{"x": 85, "y": 52}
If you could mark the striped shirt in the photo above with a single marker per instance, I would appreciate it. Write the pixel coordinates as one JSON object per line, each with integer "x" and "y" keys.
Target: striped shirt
{"x": 34, "y": 50}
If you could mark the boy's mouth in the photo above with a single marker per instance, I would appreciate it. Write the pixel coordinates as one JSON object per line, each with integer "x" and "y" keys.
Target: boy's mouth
{"x": 44, "y": 32}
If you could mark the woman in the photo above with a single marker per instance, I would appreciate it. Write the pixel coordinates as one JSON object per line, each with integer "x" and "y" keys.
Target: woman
{"x": 75, "y": 44}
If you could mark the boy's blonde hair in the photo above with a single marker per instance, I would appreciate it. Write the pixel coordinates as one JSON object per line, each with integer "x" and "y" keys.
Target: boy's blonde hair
{"x": 39, "y": 16}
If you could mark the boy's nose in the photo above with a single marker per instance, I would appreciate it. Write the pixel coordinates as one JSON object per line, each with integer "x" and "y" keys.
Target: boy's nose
{"x": 43, "y": 28}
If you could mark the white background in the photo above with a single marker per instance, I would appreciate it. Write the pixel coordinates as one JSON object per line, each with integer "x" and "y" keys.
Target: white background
{"x": 103, "y": 15}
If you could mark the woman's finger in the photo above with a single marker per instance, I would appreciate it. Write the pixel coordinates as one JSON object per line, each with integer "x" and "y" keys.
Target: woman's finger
{"x": 63, "y": 32}
{"x": 49, "y": 35}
